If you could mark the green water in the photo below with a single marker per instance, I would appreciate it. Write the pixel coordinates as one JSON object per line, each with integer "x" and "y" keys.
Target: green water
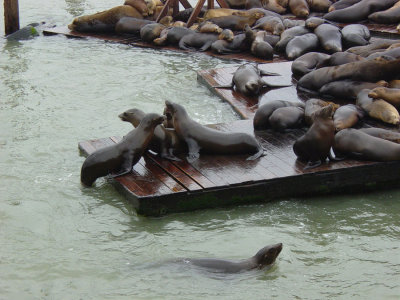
{"x": 60, "y": 241}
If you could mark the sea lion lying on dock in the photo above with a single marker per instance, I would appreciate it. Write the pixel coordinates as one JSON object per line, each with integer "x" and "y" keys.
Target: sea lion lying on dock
{"x": 347, "y": 116}
{"x": 309, "y": 62}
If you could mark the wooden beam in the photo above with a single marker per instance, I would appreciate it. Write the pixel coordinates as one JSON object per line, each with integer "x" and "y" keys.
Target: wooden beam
{"x": 11, "y": 16}
{"x": 223, "y": 4}
{"x": 195, "y": 13}
{"x": 164, "y": 10}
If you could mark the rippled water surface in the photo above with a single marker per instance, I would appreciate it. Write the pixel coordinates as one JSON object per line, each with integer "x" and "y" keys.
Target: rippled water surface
{"x": 60, "y": 241}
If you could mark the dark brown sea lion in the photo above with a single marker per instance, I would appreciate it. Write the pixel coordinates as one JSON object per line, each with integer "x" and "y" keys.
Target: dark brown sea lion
{"x": 129, "y": 25}
{"x": 165, "y": 141}
{"x": 121, "y": 157}
{"x": 309, "y": 62}
{"x": 389, "y": 16}
{"x": 381, "y": 133}
{"x": 238, "y": 44}
{"x": 197, "y": 41}
{"x": 377, "y": 108}
{"x": 388, "y": 94}
{"x": 342, "y": 4}
{"x": 312, "y": 106}
{"x": 376, "y": 44}
{"x": 172, "y": 36}
{"x": 313, "y": 22}
{"x": 139, "y": 5}
{"x": 366, "y": 70}
{"x": 355, "y": 35}
{"x": 235, "y": 22}
{"x": 103, "y": 21}
{"x": 347, "y": 116}
{"x": 329, "y": 37}
{"x": 359, "y": 11}
{"x": 319, "y": 5}
{"x": 347, "y": 89}
{"x": 394, "y": 53}
{"x": 260, "y": 48}
{"x": 263, "y": 258}
{"x": 149, "y": 32}
{"x": 202, "y": 138}
{"x": 263, "y": 113}
{"x": 286, "y": 118}
{"x": 288, "y": 35}
{"x": 301, "y": 44}
{"x": 299, "y": 8}
{"x": 184, "y": 15}
{"x": 278, "y": 6}
{"x": 289, "y": 23}
{"x": 271, "y": 24}
{"x": 341, "y": 58}
{"x": 361, "y": 145}
{"x": 314, "y": 146}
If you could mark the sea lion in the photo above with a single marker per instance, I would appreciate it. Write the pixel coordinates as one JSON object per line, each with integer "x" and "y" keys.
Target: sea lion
{"x": 139, "y": 5}
{"x": 103, "y": 21}
{"x": 347, "y": 116}
{"x": 378, "y": 109}
{"x": 197, "y": 41}
{"x": 309, "y": 62}
{"x": 313, "y": 22}
{"x": 389, "y": 16}
{"x": 359, "y": 11}
{"x": 376, "y": 44}
{"x": 236, "y": 22}
{"x": 367, "y": 70}
{"x": 299, "y": 8}
{"x": 286, "y": 118}
{"x": 381, "y": 133}
{"x": 394, "y": 84}
{"x": 271, "y": 24}
{"x": 289, "y": 23}
{"x": 264, "y": 257}
{"x": 121, "y": 157}
{"x": 319, "y": 5}
{"x": 205, "y": 139}
{"x": 388, "y": 94}
{"x": 314, "y": 146}
{"x": 252, "y": 4}
{"x": 260, "y": 48}
{"x": 288, "y": 35}
{"x": 223, "y": 46}
{"x": 312, "y": 106}
{"x": 262, "y": 11}
{"x": 278, "y": 6}
{"x": 149, "y": 32}
{"x": 263, "y": 113}
{"x": 355, "y": 35}
{"x": 393, "y": 52}
{"x": 208, "y": 27}
{"x": 172, "y": 36}
{"x": 129, "y": 25}
{"x": 301, "y": 44}
{"x": 165, "y": 141}
{"x": 341, "y": 58}
{"x": 347, "y": 89}
{"x": 185, "y": 14}
{"x": 218, "y": 12}
{"x": 329, "y": 37}
{"x": 342, "y": 4}
{"x": 361, "y": 145}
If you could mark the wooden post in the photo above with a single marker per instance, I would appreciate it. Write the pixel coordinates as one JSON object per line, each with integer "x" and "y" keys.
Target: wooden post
{"x": 11, "y": 16}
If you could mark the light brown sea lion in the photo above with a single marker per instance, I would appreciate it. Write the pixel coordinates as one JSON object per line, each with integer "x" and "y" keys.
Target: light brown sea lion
{"x": 301, "y": 44}
{"x": 389, "y": 16}
{"x": 394, "y": 84}
{"x": 271, "y": 24}
{"x": 208, "y": 27}
{"x": 347, "y": 116}
{"x": 165, "y": 141}
{"x": 366, "y": 70}
{"x": 388, "y": 94}
{"x": 312, "y": 106}
{"x": 218, "y": 12}
{"x": 208, "y": 140}
{"x": 263, "y": 113}
{"x": 197, "y": 41}
{"x": 314, "y": 146}
{"x": 278, "y": 6}
{"x": 378, "y": 108}
{"x": 342, "y": 4}
{"x": 139, "y": 5}
{"x": 329, "y": 37}
{"x": 262, "y": 11}
{"x": 121, "y": 157}
{"x": 376, "y": 44}
{"x": 235, "y": 22}
{"x": 309, "y": 62}
{"x": 381, "y": 133}
{"x": 361, "y": 145}
{"x": 149, "y": 32}
{"x": 347, "y": 89}
{"x": 359, "y": 11}
{"x": 319, "y": 5}
{"x": 103, "y": 21}
{"x": 299, "y": 8}
{"x": 341, "y": 58}
{"x": 286, "y": 118}
{"x": 260, "y": 48}
{"x": 355, "y": 35}
{"x": 288, "y": 35}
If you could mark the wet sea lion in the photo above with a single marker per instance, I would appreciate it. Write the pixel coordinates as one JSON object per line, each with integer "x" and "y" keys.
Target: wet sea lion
{"x": 355, "y": 35}
{"x": 347, "y": 116}
{"x": 149, "y": 32}
{"x": 342, "y": 4}
{"x": 288, "y": 35}
{"x": 260, "y": 48}
{"x": 139, "y": 5}
{"x": 278, "y": 6}
{"x": 271, "y": 24}
{"x": 381, "y": 133}
{"x": 286, "y": 118}
{"x": 389, "y": 16}
{"x": 309, "y": 62}
{"x": 208, "y": 27}
{"x": 361, "y": 145}
{"x": 378, "y": 109}
{"x": 222, "y": 46}
{"x": 121, "y": 157}
{"x": 235, "y": 22}
{"x": 359, "y": 11}
{"x": 388, "y": 94}
{"x": 197, "y": 41}
{"x": 289, "y": 23}
{"x": 301, "y": 44}
{"x": 299, "y": 8}
{"x": 103, "y": 21}
{"x": 329, "y": 37}
{"x": 394, "y": 53}
{"x": 129, "y": 25}
{"x": 314, "y": 146}
{"x": 264, "y": 257}
{"x": 208, "y": 140}
{"x": 377, "y": 44}
{"x": 341, "y": 58}
{"x": 263, "y": 113}
{"x": 313, "y": 22}
{"x": 312, "y": 106}
{"x": 348, "y": 89}
{"x": 319, "y": 5}
{"x": 165, "y": 141}
{"x": 172, "y": 36}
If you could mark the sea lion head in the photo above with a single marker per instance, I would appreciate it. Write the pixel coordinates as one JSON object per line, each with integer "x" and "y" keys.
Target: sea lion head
{"x": 133, "y": 116}
{"x": 172, "y": 108}
{"x": 325, "y": 112}
{"x": 267, "y": 255}
{"x": 151, "y": 120}
{"x": 226, "y": 35}
{"x": 252, "y": 87}
{"x": 208, "y": 27}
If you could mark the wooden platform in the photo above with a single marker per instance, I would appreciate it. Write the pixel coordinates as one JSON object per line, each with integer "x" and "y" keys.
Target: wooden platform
{"x": 158, "y": 186}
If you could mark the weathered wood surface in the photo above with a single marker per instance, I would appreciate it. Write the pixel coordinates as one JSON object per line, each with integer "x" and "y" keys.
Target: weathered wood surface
{"x": 158, "y": 186}
{"x": 11, "y": 16}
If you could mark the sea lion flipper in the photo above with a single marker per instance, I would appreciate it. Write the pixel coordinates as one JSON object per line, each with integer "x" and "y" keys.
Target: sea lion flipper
{"x": 312, "y": 164}
{"x": 194, "y": 150}
{"x": 259, "y": 154}
{"x": 171, "y": 157}
{"x": 273, "y": 85}
{"x": 266, "y": 73}
{"x": 122, "y": 172}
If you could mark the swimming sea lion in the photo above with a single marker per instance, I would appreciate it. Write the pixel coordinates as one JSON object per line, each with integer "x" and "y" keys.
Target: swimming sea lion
{"x": 341, "y": 58}
{"x": 271, "y": 24}
{"x": 121, "y": 157}
{"x": 389, "y": 16}
{"x": 347, "y": 116}
{"x": 205, "y": 139}
{"x": 264, "y": 257}
{"x": 348, "y": 89}
{"x": 329, "y": 37}
{"x": 342, "y": 4}
{"x": 301, "y": 44}
{"x": 314, "y": 146}
{"x": 355, "y": 35}
{"x": 388, "y": 94}
{"x": 197, "y": 41}
{"x": 288, "y": 35}
{"x": 361, "y": 145}
{"x": 309, "y": 62}
{"x": 286, "y": 118}
{"x": 130, "y": 25}
{"x": 263, "y": 113}
{"x": 378, "y": 109}
{"x": 299, "y": 8}
{"x": 103, "y": 21}
{"x": 139, "y": 5}
{"x": 381, "y": 133}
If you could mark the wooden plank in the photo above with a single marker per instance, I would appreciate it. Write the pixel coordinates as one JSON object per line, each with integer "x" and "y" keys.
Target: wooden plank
{"x": 185, "y": 4}
{"x": 165, "y": 8}
{"x": 11, "y": 16}
{"x": 195, "y": 12}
